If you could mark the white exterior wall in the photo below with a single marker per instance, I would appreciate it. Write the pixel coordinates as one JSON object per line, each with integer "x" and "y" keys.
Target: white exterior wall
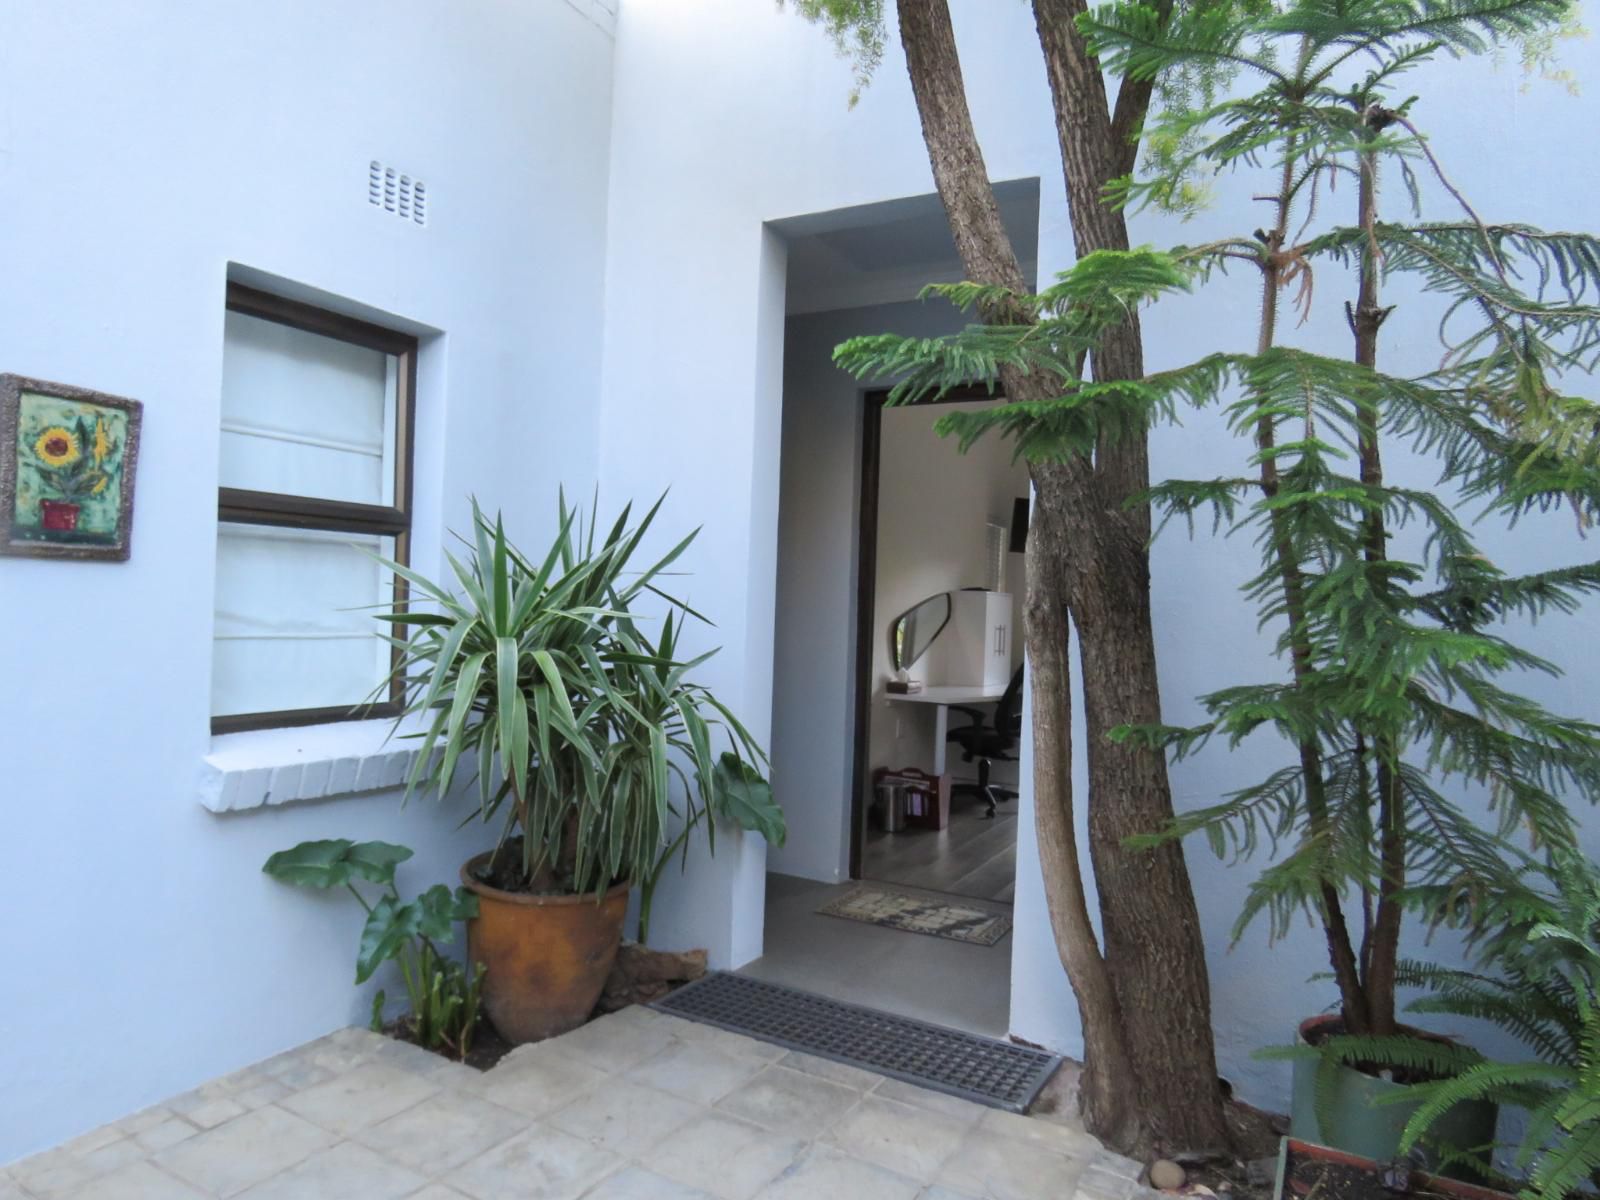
{"x": 730, "y": 114}
{"x": 143, "y": 148}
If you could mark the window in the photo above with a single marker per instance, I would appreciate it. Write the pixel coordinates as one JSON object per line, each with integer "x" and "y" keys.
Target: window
{"x": 315, "y": 480}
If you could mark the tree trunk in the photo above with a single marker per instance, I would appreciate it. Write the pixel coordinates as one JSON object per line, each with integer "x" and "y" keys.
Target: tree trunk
{"x": 1381, "y": 947}
{"x": 1110, "y": 1106}
{"x": 1153, "y": 942}
{"x": 1150, "y": 1077}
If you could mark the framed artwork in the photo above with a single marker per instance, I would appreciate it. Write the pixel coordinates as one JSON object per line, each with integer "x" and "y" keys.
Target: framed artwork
{"x": 67, "y": 458}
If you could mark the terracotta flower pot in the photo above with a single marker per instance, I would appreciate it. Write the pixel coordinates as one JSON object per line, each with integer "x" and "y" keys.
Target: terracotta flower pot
{"x": 546, "y": 958}
{"x": 58, "y": 515}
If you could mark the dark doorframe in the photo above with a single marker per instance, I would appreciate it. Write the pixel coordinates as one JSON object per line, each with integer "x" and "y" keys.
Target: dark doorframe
{"x": 873, "y": 403}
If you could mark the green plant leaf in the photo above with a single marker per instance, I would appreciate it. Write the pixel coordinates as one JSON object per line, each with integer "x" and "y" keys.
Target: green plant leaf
{"x": 439, "y": 908}
{"x": 389, "y": 927}
{"x": 745, "y": 797}
{"x": 334, "y": 861}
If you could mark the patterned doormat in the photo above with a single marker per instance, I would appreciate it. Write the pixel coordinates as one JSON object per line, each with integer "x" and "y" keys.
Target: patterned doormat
{"x": 919, "y": 914}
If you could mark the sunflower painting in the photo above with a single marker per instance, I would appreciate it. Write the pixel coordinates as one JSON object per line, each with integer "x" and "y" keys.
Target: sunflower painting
{"x": 67, "y": 458}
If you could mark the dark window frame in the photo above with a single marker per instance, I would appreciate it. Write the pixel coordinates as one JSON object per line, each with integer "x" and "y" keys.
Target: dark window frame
{"x": 243, "y": 507}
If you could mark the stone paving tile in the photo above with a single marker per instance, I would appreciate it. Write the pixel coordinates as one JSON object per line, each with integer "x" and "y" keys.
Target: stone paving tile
{"x": 263, "y": 1090}
{"x": 939, "y": 1102}
{"x": 614, "y": 1048}
{"x": 542, "y": 1164}
{"x": 640, "y": 1104}
{"x": 244, "y": 1151}
{"x": 636, "y": 1183}
{"x": 346, "y": 1171}
{"x": 899, "y": 1137}
{"x": 1063, "y": 1139}
{"x": 95, "y": 1139}
{"x": 790, "y": 1102}
{"x": 640, "y": 1014}
{"x": 53, "y": 1174}
{"x": 695, "y": 1071}
{"x": 626, "y": 1117}
{"x": 109, "y": 1157}
{"x": 137, "y": 1181}
{"x": 1097, "y": 1183}
{"x": 206, "y": 1111}
{"x": 825, "y": 1174}
{"x": 1002, "y": 1168}
{"x": 728, "y": 1043}
{"x": 731, "y": 1159}
{"x": 145, "y": 1118}
{"x": 168, "y": 1133}
{"x": 361, "y": 1096}
{"x": 537, "y": 1079}
{"x": 833, "y": 1072}
{"x": 444, "y": 1131}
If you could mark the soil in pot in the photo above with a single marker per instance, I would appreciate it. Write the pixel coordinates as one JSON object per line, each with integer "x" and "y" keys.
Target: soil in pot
{"x": 1310, "y": 1172}
{"x": 1373, "y": 1131}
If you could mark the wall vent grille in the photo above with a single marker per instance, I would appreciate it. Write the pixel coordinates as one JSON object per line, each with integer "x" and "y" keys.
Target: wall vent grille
{"x": 405, "y": 197}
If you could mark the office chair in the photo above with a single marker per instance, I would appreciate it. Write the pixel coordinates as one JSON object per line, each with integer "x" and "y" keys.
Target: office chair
{"x": 990, "y": 743}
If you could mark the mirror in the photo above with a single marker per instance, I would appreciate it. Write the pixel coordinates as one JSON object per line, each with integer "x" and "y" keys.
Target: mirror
{"x": 913, "y": 631}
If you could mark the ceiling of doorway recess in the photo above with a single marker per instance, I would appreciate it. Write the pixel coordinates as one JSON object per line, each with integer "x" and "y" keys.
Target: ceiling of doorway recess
{"x": 885, "y": 252}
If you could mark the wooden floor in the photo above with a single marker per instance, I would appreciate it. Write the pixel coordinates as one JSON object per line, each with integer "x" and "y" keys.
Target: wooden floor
{"x": 971, "y": 856}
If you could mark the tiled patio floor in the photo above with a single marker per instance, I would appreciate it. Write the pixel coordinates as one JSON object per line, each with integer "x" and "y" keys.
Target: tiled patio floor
{"x": 636, "y": 1106}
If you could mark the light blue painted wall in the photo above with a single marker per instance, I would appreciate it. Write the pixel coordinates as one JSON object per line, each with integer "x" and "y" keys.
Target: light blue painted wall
{"x": 759, "y": 131}
{"x": 574, "y": 188}
{"x": 814, "y": 667}
{"x": 144, "y": 147}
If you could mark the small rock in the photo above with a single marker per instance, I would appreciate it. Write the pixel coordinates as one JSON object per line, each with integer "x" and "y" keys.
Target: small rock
{"x": 1167, "y": 1175}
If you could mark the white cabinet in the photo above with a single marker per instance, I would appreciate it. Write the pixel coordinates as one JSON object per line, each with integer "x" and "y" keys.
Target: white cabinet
{"x": 975, "y": 648}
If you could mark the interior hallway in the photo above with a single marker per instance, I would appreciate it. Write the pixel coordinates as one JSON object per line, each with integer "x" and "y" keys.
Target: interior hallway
{"x": 972, "y": 856}
{"x": 932, "y": 979}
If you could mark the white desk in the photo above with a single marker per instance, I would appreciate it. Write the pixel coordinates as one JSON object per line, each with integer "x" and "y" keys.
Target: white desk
{"x": 942, "y": 698}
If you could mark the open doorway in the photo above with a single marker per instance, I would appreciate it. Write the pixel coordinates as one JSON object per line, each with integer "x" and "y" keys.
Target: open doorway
{"x": 854, "y": 477}
{"x": 938, "y": 654}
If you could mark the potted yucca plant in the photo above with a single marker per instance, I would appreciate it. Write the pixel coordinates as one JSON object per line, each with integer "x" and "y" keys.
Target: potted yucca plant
{"x": 585, "y": 741}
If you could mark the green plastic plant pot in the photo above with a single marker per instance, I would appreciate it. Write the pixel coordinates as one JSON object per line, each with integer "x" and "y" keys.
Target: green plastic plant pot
{"x": 1373, "y": 1131}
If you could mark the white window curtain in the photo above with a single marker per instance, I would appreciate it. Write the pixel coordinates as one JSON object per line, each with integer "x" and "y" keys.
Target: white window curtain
{"x": 303, "y": 415}
{"x": 306, "y": 415}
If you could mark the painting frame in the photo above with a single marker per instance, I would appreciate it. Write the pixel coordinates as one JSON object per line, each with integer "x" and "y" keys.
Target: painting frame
{"x": 114, "y": 546}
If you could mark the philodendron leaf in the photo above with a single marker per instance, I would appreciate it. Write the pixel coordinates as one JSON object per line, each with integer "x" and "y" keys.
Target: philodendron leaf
{"x": 376, "y": 860}
{"x": 745, "y": 798}
{"x": 312, "y": 864}
{"x": 328, "y": 863}
{"x": 389, "y": 927}
{"x": 438, "y": 910}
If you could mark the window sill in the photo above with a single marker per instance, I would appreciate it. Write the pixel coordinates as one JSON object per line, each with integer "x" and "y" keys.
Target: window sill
{"x": 314, "y": 762}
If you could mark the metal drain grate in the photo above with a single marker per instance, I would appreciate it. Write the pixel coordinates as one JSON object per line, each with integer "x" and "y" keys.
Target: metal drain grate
{"x": 999, "y": 1074}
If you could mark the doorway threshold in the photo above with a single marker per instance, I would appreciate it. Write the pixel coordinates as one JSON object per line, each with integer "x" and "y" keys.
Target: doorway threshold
{"x": 956, "y": 984}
